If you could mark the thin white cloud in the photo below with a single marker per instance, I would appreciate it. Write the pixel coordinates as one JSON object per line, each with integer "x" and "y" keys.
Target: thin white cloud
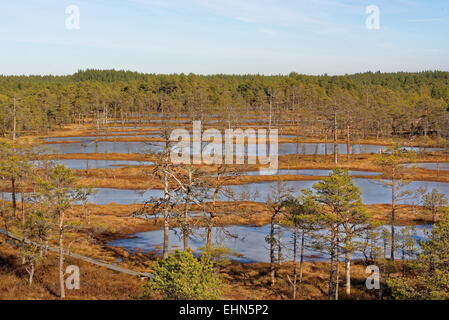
{"x": 332, "y": 31}
{"x": 263, "y": 11}
{"x": 244, "y": 19}
{"x": 425, "y": 20}
{"x": 268, "y": 31}
{"x": 317, "y": 16}
{"x": 386, "y": 45}
{"x": 255, "y": 11}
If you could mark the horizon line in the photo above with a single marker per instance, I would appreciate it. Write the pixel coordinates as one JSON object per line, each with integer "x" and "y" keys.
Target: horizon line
{"x": 226, "y": 74}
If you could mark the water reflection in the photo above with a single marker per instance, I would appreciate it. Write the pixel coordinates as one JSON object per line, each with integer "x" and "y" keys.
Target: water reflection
{"x": 80, "y": 164}
{"x": 309, "y": 172}
{"x": 248, "y": 242}
{"x": 89, "y": 145}
{"x": 430, "y": 165}
{"x": 373, "y": 192}
{"x": 101, "y": 147}
{"x": 123, "y": 196}
{"x": 106, "y": 135}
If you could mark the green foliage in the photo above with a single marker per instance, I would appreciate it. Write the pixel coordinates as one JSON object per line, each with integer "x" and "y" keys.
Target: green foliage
{"x": 402, "y": 289}
{"x": 342, "y": 209}
{"x": 395, "y": 99}
{"x": 301, "y": 212}
{"x": 390, "y": 267}
{"x": 370, "y": 244}
{"x": 14, "y": 159}
{"x": 406, "y": 241}
{"x": 430, "y": 279}
{"x": 341, "y": 196}
{"x": 391, "y": 161}
{"x": 38, "y": 226}
{"x": 102, "y": 228}
{"x": 436, "y": 202}
{"x": 58, "y": 188}
{"x": 182, "y": 276}
{"x": 219, "y": 255}
{"x": 74, "y": 225}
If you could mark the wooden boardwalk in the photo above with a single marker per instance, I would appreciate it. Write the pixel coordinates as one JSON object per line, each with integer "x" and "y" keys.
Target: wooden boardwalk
{"x": 81, "y": 257}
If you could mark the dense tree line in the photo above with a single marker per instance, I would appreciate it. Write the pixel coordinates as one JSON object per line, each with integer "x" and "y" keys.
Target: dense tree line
{"x": 368, "y": 104}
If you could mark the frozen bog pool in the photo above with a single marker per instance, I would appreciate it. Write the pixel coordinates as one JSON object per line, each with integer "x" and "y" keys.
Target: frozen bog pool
{"x": 106, "y": 135}
{"x": 248, "y": 242}
{"x": 80, "y": 164}
{"x": 373, "y": 192}
{"x": 444, "y": 166}
{"x": 308, "y": 172}
{"x": 89, "y": 145}
{"x": 100, "y": 147}
{"x": 123, "y": 196}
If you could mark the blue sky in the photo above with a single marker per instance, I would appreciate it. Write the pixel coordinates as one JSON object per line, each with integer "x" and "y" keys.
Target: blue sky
{"x": 224, "y": 36}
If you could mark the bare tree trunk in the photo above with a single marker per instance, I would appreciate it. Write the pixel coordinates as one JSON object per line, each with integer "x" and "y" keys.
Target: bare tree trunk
{"x": 13, "y": 195}
{"x": 98, "y": 121}
{"x": 209, "y": 232}
{"x": 325, "y": 146}
{"x": 331, "y": 271}
{"x": 211, "y": 221}
{"x": 295, "y": 235}
{"x": 31, "y": 274}
{"x": 61, "y": 255}
{"x": 348, "y": 269}
{"x": 186, "y": 212}
{"x": 186, "y": 226}
{"x": 272, "y": 258}
{"x": 185, "y": 235}
{"x": 301, "y": 261}
{"x": 393, "y": 209}
{"x": 337, "y": 268}
{"x": 23, "y": 224}
{"x": 348, "y": 140}
{"x": 166, "y": 213}
{"x": 403, "y": 263}
{"x": 279, "y": 243}
{"x": 166, "y": 231}
{"x": 271, "y": 105}
{"x": 335, "y": 137}
{"x": 14, "y": 122}
{"x": 297, "y": 138}
{"x": 23, "y": 208}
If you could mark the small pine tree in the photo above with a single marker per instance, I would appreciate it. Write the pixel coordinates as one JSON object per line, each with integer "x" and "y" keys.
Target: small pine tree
{"x": 345, "y": 218}
{"x": 181, "y": 276}
{"x": 430, "y": 280}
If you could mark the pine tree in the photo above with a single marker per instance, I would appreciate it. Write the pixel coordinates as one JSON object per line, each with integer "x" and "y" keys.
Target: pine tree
{"x": 345, "y": 217}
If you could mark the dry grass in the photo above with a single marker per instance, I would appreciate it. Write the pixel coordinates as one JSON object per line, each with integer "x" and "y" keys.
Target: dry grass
{"x": 113, "y": 221}
{"x": 252, "y": 281}
{"x": 241, "y": 281}
{"x": 95, "y": 282}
